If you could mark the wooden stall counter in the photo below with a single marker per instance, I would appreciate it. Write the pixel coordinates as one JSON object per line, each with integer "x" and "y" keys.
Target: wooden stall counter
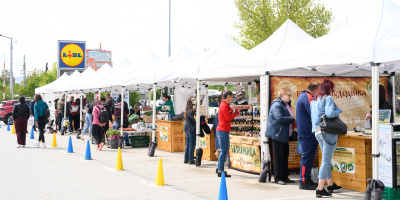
{"x": 207, "y": 143}
{"x": 352, "y": 161}
{"x": 170, "y": 136}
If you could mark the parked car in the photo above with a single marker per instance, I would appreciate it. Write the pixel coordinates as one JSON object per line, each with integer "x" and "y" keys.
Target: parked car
{"x": 6, "y": 109}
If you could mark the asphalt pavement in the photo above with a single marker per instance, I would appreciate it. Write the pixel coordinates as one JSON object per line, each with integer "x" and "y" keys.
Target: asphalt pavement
{"x": 52, "y": 173}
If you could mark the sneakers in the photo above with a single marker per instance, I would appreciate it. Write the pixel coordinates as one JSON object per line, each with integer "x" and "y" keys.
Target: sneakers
{"x": 101, "y": 146}
{"x": 23, "y": 146}
{"x": 192, "y": 162}
{"x": 333, "y": 188}
{"x": 308, "y": 185}
{"x": 226, "y": 174}
{"x": 19, "y": 146}
{"x": 281, "y": 182}
{"x": 290, "y": 181}
{"x": 323, "y": 193}
{"x": 36, "y": 144}
{"x": 185, "y": 162}
{"x": 43, "y": 145}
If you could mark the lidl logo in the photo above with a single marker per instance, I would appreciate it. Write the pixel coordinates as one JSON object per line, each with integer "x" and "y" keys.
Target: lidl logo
{"x": 72, "y": 55}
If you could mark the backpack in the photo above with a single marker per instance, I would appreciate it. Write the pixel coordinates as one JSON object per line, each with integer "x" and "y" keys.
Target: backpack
{"x": 117, "y": 111}
{"x": 46, "y": 113}
{"x": 103, "y": 116}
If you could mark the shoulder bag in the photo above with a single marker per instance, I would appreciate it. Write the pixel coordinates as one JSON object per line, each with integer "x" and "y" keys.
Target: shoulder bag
{"x": 332, "y": 125}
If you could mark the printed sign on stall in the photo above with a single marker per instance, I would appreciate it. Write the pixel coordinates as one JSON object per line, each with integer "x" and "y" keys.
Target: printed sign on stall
{"x": 245, "y": 157}
{"x": 163, "y": 133}
{"x": 352, "y": 95}
{"x": 344, "y": 160}
{"x": 203, "y": 142}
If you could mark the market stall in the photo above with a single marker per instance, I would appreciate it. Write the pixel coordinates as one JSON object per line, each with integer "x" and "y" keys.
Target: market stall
{"x": 366, "y": 48}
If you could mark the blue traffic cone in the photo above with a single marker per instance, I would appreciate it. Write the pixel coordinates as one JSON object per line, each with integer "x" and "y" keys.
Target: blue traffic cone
{"x": 70, "y": 149}
{"x": 223, "y": 193}
{"x": 8, "y": 126}
{"x": 88, "y": 155}
{"x": 32, "y": 136}
{"x": 0, "y": 125}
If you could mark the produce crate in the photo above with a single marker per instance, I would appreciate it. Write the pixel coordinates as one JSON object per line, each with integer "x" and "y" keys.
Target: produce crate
{"x": 139, "y": 140}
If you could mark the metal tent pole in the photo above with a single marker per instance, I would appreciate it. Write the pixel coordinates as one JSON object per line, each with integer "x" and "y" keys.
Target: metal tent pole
{"x": 198, "y": 115}
{"x": 153, "y": 132}
{"x": 393, "y": 78}
{"x": 375, "y": 120}
{"x": 122, "y": 110}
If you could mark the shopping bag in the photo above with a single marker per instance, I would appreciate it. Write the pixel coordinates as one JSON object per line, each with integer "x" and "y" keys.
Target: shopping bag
{"x": 31, "y": 121}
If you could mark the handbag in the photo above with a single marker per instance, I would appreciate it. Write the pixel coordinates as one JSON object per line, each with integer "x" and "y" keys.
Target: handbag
{"x": 332, "y": 125}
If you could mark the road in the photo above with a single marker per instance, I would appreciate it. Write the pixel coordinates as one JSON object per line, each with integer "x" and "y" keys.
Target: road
{"x": 51, "y": 173}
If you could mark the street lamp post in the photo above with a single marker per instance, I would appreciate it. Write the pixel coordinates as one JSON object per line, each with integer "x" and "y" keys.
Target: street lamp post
{"x": 11, "y": 67}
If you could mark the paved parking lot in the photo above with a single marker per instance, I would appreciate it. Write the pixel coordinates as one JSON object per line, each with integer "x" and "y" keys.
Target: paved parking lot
{"x": 51, "y": 173}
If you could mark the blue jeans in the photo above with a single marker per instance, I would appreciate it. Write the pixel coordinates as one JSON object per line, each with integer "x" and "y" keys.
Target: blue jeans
{"x": 70, "y": 118}
{"x": 223, "y": 139}
{"x": 88, "y": 123}
{"x": 189, "y": 147}
{"x": 327, "y": 142}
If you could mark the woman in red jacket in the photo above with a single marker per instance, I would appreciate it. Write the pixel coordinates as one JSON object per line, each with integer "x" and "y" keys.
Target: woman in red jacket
{"x": 225, "y": 115}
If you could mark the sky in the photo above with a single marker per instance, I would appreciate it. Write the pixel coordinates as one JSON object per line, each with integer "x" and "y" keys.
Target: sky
{"x": 130, "y": 29}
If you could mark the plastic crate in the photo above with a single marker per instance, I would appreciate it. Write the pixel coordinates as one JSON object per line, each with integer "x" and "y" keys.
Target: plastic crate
{"x": 139, "y": 140}
{"x": 391, "y": 193}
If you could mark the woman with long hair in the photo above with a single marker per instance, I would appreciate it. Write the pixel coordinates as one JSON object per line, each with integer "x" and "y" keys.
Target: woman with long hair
{"x": 21, "y": 114}
{"x": 40, "y": 121}
{"x": 323, "y": 104}
{"x": 97, "y": 126}
{"x": 190, "y": 131}
{"x": 279, "y": 129}
{"x": 225, "y": 116}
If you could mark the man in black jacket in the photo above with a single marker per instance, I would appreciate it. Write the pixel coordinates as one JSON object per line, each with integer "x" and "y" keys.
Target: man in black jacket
{"x": 69, "y": 114}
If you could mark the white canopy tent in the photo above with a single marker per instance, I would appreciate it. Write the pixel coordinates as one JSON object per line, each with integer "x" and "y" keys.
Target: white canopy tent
{"x": 41, "y": 90}
{"x": 93, "y": 82}
{"x": 73, "y": 80}
{"x": 372, "y": 40}
{"x": 249, "y": 65}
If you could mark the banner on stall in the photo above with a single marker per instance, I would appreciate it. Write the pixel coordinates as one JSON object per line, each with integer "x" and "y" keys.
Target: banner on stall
{"x": 203, "y": 142}
{"x": 245, "y": 157}
{"x": 163, "y": 133}
{"x": 352, "y": 95}
{"x": 344, "y": 160}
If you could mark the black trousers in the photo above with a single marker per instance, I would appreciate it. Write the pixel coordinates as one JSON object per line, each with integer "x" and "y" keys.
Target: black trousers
{"x": 77, "y": 122}
{"x": 41, "y": 125}
{"x": 98, "y": 133}
{"x": 281, "y": 156}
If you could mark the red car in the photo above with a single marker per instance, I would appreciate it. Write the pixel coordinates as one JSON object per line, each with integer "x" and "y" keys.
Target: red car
{"x": 6, "y": 109}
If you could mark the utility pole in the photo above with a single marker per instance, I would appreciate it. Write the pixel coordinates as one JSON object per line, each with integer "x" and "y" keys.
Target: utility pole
{"x": 11, "y": 73}
{"x": 24, "y": 71}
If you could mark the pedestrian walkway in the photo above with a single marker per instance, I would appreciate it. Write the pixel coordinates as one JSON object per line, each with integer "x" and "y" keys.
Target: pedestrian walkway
{"x": 52, "y": 173}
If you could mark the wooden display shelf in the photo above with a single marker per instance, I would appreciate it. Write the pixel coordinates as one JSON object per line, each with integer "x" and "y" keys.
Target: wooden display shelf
{"x": 242, "y": 107}
{"x": 173, "y": 136}
{"x": 243, "y": 117}
{"x": 242, "y": 125}
{"x": 208, "y": 145}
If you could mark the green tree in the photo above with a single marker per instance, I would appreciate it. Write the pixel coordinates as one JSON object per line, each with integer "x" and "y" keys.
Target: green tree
{"x": 258, "y": 19}
{"x": 35, "y": 79}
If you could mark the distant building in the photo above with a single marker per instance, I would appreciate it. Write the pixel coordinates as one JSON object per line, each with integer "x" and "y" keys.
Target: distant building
{"x": 97, "y": 57}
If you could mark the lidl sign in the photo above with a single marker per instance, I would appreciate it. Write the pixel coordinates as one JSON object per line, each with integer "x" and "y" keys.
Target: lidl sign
{"x": 71, "y": 54}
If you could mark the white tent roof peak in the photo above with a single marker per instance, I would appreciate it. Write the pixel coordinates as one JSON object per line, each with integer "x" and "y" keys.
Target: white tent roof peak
{"x": 375, "y": 37}
{"x": 228, "y": 48}
{"x": 288, "y": 35}
{"x": 125, "y": 63}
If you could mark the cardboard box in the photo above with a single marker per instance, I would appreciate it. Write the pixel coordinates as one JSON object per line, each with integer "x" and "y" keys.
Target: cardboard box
{"x": 148, "y": 119}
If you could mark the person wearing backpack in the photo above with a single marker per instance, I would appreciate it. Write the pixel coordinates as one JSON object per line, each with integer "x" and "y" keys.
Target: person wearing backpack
{"x": 117, "y": 115}
{"x": 21, "y": 115}
{"x": 41, "y": 110}
{"x": 100, "y": 118}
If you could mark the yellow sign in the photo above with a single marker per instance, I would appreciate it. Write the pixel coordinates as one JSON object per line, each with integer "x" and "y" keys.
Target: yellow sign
{"x": 72, "y": 55}
{"x": 245, "y": 157}
{"x": 344, "y": 160}
{"x": 163, "y": 133}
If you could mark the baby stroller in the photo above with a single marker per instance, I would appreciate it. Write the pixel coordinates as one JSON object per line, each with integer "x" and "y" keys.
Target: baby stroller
{"x": 50, "y": 127}
{"x": 65, "y": 125}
